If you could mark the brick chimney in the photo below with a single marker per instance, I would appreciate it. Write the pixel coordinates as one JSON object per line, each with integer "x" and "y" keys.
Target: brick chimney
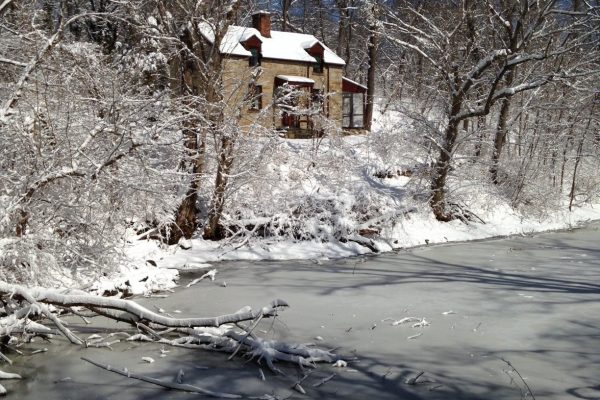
{"x": 261, "y": 21}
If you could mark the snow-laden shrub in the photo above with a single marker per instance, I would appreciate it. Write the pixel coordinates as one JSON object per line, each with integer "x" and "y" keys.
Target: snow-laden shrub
{"x": 316, "y": 189}
{"x": 84, "y": 152}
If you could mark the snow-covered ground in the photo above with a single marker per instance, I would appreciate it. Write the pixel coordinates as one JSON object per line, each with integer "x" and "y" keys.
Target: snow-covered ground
{"x": 326, "y": 191}
{"x": 143, "y": 277}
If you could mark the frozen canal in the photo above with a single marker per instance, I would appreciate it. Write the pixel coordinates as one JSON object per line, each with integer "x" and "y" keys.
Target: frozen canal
{"x": 534, "y": 302}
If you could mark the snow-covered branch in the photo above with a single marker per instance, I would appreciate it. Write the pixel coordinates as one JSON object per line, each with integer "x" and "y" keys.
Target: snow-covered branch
{"x": 57, "y": 298}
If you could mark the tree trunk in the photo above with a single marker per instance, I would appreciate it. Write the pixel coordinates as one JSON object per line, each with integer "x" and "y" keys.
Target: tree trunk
{"x": 480, "y": 136}
{"x": 343, "y": 39}
{"x": 186, "y": 216}
{"x": 213, "y": 229}
{"x": 372, "y": 52}
{"x": 501, "y": 131}
{"x": 202, "y": 76}
{"x": 440, "y": 174}
{"x": 285, "y": 14}
{"x": 566, "y": 148}
{"x": 441, "y": 167}
{"x": 576, "y": 166}
{"x": 23, "y": 220}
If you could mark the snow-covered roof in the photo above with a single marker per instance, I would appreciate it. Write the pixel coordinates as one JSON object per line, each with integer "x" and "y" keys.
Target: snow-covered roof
{"x": 354, "y": 82}
{"x": 281, "y": 45}
{"x": 294, "y": 78}
{"x": 231, "y": 41}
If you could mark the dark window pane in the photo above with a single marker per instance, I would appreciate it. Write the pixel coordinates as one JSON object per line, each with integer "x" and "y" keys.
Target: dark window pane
{"x": 318, "y": 65}
{"x": 346, "y": 105}
{"x": 357, "y": 121}
{"x": 357, "y": 103}
{"x": 254, "y": 58}
{"x": 346, "y": 122}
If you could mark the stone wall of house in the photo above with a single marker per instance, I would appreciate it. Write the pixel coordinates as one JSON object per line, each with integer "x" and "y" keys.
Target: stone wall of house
{"x": 335, "y": 94}
{"x": 237, "y": 76}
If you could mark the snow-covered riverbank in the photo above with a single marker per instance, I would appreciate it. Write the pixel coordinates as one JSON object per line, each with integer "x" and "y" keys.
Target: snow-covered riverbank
{"x": 529, "y": 301}
{"x": 155, "y": 267}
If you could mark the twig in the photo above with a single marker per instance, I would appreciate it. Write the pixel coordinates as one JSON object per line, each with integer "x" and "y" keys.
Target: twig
{"x": 210, "y": 274}
{"x": 520, "y": 377}
{"x": 149, "y": 330}
{"x": 8, "y": 360}
{"x": 297, "y": 385}
{"x": 80, "y": 315}
{"x": 19, "y": 352}
{"x": 248, "y": 333}
{"x": 158, "y": 382}
{"x": 324, "y": 380}
{"x": 413, "y": 381}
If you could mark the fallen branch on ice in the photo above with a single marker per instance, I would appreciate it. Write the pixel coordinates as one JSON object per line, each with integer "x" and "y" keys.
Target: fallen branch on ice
{"x": 223, "y": 333}
{"x": 57, "y": 298}
{"x": 169, "y": 385}
{"x": 210, "y": 274}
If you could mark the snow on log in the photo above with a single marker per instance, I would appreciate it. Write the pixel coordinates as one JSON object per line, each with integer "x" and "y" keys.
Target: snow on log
{"x": 8, "y": 375}
{"x": 64, "y": 299}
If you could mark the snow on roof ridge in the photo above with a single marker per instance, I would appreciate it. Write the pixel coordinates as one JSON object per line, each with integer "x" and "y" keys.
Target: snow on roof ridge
{"x": 289, "y": 46}
{"x": 354, "y": 82}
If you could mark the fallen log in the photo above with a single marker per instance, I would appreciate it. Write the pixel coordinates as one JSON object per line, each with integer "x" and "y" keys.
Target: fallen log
{"x": 223, "y": 333}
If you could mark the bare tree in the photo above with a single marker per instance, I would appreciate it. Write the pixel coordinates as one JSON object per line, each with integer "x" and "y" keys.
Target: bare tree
{"x": 474, "y": 72}
{"x": 77, "y": 153}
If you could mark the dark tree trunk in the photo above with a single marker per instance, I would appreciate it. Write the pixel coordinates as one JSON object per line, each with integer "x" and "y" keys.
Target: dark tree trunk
{"x": 499, "y": 139}
{"x": 213, "y": 229}
{"x": 441, "y": 169}
{"x": 480, "y": 136}
{"x": 372, "y": 52}
{"x": 501, "y": 130}
{"x": 577, "y": 161}
{"x": 285, "y": 14}
{"x": 186, "y": 216}
{"x": 343, "y": 39}
{"x": 22, "y": 222}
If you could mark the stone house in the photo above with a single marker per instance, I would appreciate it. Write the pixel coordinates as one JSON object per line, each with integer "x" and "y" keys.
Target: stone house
{"x": 288, "y": 81}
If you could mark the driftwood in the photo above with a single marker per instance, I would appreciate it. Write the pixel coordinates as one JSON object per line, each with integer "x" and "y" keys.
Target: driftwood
{"x": 56, "y": 298}
{"x": 223, "y": 333}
